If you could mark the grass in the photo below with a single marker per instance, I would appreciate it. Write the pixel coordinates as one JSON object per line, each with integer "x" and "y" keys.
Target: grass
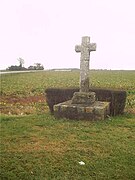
{"x": 40, "y": 147}
{"x": 25, "y": 84}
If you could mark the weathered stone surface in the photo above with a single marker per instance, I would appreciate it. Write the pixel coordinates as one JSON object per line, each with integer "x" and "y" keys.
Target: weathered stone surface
{"x": 89, "y": 109}
{"x": 84, "y": 98}
{"x": 85, "y": 48}
{"x": 96, "y": 111}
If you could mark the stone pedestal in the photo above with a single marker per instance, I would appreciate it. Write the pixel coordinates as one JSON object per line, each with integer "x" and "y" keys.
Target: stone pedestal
{"x": 82, "y": 106}
{"x": 96, "y": 111}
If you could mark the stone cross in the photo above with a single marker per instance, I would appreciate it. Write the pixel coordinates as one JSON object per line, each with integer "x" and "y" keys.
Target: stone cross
{"x": 85, "y": 48}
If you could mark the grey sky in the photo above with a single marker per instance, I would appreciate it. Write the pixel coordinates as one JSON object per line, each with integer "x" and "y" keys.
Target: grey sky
{"x": 47, "y": 31}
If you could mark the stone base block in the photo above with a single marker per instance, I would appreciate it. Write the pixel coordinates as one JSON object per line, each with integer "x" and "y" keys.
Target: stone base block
{"x": 84, "y": 98}
{"x": 96, "y": 111}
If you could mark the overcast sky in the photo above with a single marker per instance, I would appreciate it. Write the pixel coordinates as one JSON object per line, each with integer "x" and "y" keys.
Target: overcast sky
{"x": 46, "y": 31}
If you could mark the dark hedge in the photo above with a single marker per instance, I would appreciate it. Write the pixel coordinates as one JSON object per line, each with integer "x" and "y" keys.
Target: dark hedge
{"x": 117, "y": 98}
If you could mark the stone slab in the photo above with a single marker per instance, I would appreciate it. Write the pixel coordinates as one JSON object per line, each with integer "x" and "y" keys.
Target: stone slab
{"x": 96, "y": 111}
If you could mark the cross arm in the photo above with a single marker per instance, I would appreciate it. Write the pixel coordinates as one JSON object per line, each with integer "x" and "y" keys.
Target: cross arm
{"x": 78, "y": 48}
{"x": 92, "y": 46}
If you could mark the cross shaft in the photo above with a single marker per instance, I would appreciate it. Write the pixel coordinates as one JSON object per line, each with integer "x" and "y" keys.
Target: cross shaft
{"x": 85, "y": 48}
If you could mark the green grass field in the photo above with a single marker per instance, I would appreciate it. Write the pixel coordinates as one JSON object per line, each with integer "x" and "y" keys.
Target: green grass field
{"x": 36, "y": 146}
{"x": 35, "y": 83}
{"x": 22, "y": 85}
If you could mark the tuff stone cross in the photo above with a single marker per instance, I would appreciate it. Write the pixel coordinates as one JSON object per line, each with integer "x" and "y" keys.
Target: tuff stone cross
{"x": 85, "y": 48}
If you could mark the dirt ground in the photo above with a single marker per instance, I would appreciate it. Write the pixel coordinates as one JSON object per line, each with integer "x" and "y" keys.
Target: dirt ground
{"x": 22, "y": 105}
{"x": 13, "y": 105}
{"x": 22, "y": 100}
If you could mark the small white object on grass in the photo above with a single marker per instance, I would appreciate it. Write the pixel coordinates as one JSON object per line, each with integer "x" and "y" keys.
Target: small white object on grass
{"x": 81, "y": 163}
